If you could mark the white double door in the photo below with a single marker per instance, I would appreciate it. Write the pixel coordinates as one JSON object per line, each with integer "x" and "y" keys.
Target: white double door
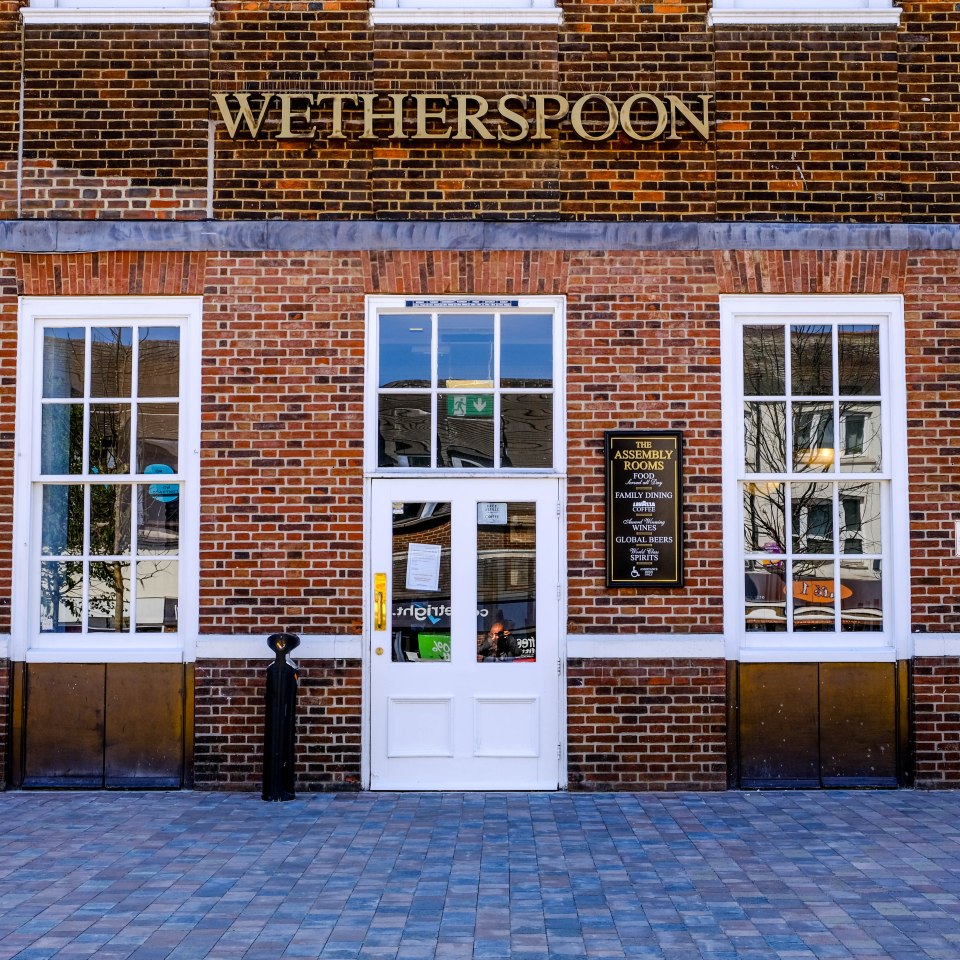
{"x": 465, "y": 639}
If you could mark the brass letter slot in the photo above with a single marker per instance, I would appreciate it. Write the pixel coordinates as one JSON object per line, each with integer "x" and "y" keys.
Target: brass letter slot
{"x": 379, "y": 601}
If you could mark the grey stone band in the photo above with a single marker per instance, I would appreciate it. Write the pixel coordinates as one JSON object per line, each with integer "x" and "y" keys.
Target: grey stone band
{"x": 86, "y": 236}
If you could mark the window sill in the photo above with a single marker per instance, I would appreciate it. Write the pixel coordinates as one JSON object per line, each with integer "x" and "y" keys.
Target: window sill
{"x": 889, "y": 16}
{"x": 379, "y": 17}
{"x": 56, "y": 15}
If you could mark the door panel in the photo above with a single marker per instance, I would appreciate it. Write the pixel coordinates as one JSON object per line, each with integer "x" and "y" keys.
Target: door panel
{"x": 464, "y": 677}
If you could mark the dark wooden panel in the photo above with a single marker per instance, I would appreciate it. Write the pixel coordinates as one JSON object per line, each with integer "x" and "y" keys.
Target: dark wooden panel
{"x": 733, "y": 724}
{"x": 144, "y": 729}
{"x": 63, "y": 739}
{"x": 778, "y": 725}
{"x": 858, "y": 724}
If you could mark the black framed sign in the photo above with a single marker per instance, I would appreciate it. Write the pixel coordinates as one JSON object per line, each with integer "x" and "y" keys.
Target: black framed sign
{"x": 644, "y": 509}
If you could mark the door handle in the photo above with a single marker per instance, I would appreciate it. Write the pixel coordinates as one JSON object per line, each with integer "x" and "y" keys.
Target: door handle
{"x": 379, "y": 601}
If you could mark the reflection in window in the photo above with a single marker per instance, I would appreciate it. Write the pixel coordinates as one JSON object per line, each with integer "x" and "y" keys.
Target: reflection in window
{"x": 95, "y": 530}
{"x": 808, "y": 541}
{"x": 466, "y": 389}
{"x": 506, "y": 582}
{"x": 420, "y": 582}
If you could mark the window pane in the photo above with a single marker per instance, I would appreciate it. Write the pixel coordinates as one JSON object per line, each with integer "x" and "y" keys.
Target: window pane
{"x": 813, "y": 595}
{"x": 465, "y": 350}
{"x": 862, "y": 442}
{"x": 764, "y": 519}
{"x": 813, "y": 449}
{"x": 405, "y": 350}
{"x": 811, "y": 514}
{"x": 861, "y": 595}
{"x": 859, "y": 360}
{"x": 420, "y": 582}
{"x": 61, "y": 438}
{"x": 110, "y": 438}
{"x": 811, "y": 361}
{"x": 158, "y": 427}
{"x": 526, "y": 351}
{"x": 61, "y": 596}
{"x": 109, "y": 519}
{"x": 765, "y": 433}
{"x": 766, "y": 605}
{"x": 157, "y": 596}
{"x": 860, "y": 518}
{"x": 404, "y": 436}
{"x": 464, "y": 433}
{"x": 111, "y": 361}
{"x": 506, "y": 582}
{"x": 63, "y": 362}
{"x": 62, "y": 520}
{"x": 158, "y": 369}
{"x": 764, "y": 362}
{"x": 109, "y": 596}
{"x": 158, "y": 518}
{"x": 526, "y": 430}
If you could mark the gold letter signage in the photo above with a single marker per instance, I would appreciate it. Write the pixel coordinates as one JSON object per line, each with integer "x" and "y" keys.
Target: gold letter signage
{"x": 644, "y": 485}
{"x": 301, "y": 115}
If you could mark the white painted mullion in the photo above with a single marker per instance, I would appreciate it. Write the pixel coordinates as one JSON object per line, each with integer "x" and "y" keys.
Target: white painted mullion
{"x": 434, "y": 386}
{"x": 496, "y": 389}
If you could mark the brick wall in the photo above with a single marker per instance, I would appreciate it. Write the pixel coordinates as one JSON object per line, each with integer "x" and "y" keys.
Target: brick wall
{"x": 115, "y": 122}
{"x": 229, "y": 708}
{"x": 936, "y": 721}
{"x": 9, "y": 99}
{"x": 646, "y": 724}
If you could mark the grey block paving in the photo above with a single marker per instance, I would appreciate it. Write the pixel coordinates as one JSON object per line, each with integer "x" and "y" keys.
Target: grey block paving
{"x": 447, "y": 876}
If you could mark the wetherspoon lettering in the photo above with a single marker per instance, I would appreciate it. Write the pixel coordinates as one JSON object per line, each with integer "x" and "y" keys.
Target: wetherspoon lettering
{"x": 460, "y": 116}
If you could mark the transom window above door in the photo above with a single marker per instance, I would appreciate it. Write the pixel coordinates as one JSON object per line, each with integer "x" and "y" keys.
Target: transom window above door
{"x": 471, "y": 384}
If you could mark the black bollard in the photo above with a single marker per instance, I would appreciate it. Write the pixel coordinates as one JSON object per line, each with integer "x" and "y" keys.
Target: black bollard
{"x": 280, "y": 731}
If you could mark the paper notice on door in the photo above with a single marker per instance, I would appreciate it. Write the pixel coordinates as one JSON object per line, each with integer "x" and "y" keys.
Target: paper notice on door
{"x": 423, "y": 566}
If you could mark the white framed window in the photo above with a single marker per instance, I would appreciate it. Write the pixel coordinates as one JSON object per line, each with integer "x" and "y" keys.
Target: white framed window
{"x": 815, "y": 487}
{"x": 106, "y": 510}
{"x": 459, "y": 11}
{"x": 879, "y": 12}
{"x": 465, "y": 384}
{"x": 117, "y": 11}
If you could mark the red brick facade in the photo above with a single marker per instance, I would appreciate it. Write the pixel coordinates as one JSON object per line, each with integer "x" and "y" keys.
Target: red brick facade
{"x": 936, "y": 721}
{"x": 229, "y": 725}
{"x": 646, "y": 724}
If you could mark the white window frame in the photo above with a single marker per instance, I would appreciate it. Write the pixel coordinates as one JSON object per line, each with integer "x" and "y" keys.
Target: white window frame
{"x": 894, "y": 642}
{"x": 464, "y": 11}
{"x": 117, "y": 11}
{"x": 28, "y": 643}
{"x": 375, "y": 305}
{"x": 878, "y": 12}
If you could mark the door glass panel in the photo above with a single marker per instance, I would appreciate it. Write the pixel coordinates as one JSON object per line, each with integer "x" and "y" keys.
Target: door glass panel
{"x": 63, "y": 362}
{"x": 506, "y": 582}
{"x": 465, "y": 350}
{"x": 526, "y": 430}
{"x": 420, "y": 582}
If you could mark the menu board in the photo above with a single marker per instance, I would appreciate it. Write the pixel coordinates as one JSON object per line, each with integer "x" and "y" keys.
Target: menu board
{"x": 644, "y": 513}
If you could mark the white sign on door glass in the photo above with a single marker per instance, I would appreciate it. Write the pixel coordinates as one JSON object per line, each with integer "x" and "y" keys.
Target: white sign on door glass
{"x": 423, "y": 566}
{"x": 491, "y": 514}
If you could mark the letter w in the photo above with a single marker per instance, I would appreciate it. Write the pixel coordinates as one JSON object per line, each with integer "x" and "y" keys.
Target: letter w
{"x": 245, "y": 114}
